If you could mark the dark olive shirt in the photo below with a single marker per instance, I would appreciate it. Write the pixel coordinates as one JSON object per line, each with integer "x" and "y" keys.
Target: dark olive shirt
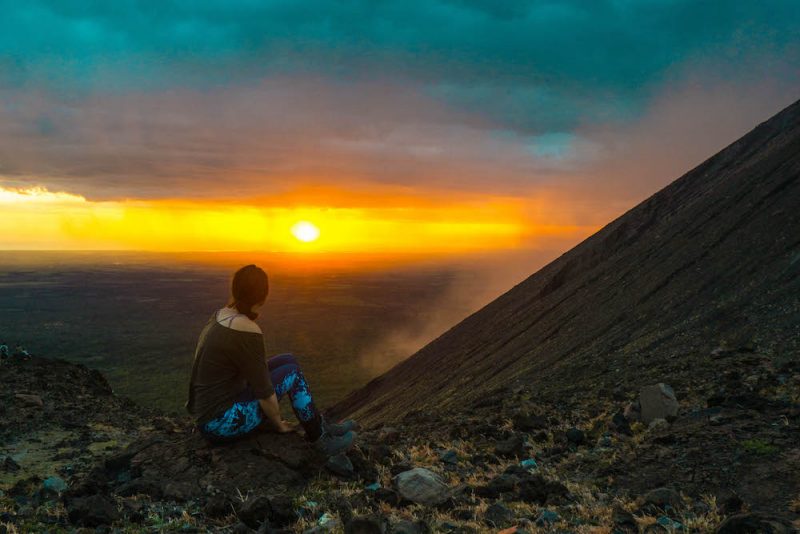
{"x": 226, "y": 361}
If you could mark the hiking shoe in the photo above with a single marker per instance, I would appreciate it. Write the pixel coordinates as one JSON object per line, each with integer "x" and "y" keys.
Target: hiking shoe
{"x": 338, "y": 429}
{"x": 331, "y": 445}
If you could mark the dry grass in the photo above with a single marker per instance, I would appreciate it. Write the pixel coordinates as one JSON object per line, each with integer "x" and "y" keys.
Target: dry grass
{"x": 794, "y": 505}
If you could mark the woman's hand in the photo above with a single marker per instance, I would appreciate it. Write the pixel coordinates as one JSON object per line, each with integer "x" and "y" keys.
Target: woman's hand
{"x": 273, "y": 413}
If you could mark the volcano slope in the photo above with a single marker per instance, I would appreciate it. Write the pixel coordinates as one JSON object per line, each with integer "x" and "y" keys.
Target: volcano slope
{"x": 698, "y": 287}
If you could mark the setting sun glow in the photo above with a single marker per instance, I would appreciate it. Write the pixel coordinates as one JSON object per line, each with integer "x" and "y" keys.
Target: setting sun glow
{"x": 305, "y": 231}
{"x": 375, "y": 222}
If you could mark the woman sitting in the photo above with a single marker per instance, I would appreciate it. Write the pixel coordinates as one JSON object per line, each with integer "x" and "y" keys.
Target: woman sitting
{"x": 234, "y": 389}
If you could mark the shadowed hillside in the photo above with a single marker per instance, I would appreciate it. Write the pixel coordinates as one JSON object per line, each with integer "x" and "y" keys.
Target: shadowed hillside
{"x": 710, "y": 261}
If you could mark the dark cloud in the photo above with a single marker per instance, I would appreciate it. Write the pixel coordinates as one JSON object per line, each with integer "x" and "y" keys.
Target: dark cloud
{"x": 152, "y": 98}
{"x": 515, "y": 59}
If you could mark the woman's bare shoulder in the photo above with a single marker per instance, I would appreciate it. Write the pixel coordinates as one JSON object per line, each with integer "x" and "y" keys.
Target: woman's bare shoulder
{"x": 245, "y": 324}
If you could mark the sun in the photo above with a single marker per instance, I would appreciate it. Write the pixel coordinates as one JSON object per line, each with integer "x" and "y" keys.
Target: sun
{"x": 305, "y": 231}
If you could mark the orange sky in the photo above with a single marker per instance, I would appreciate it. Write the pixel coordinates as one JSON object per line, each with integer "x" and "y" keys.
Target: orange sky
{"x": 393, "y": 220}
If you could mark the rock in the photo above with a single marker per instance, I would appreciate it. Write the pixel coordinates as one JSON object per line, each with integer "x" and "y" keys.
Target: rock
{"x": 624, "y": 520}
{"x": 657, "y": 401}
{"x": 363, "y": 467}
{"x": 340, "y": 465}
{"x": 539, "y": 490}
{"x": 407, "y": 527}
{"x": 576, "y": 436}
{"x": 282, "y": 511}
{"x": 751, "y": 523}
{"x": 255, "y": 511}
{"x": 669, "y": 524}
{"x": 54, "y": 484}
{"x": 387, "y": 495}
{"x": 139, "y": 486}
{"x": 464, "y": 514}
{"x": 177, "y": 491}
{"x": 241, "y": 528}
{"x": 365, "y": 525}
{"x": 217, "y": 506}
{"x": 547, "y": 518}
{"x": 9, "y": 465}
{"x": 29, "y": 400}
{"x": 134, "y": 510}
{"x": 500, "y": 484}
{"x": 91, "y": 511}
{"x": 526, "y": 422}
{"x": 663, "y": 497}
{"x": 422, "y": 486}
{"x": 620, "y": 424}
{"x": 658, "y": 424}
{"x": 380, "y": 452}
{"x": 400, "y": 467}
{"x": 449, "y": 457}
{"x": 529, "y": 463}
{"x": 730, "y": 505}
{"x": 511, "y": 447}
{"x": 498, "y": 515}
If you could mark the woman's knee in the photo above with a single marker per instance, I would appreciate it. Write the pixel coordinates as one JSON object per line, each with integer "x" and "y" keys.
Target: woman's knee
{"x": 284, "y": 377}
{"x": 281, "y": 359}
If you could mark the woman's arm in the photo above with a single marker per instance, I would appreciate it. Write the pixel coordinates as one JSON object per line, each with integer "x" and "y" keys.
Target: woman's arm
{"x": 273, "y": 412}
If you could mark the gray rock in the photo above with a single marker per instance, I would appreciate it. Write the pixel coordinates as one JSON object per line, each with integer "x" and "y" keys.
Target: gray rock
{"x": 663, "y": 497}
{"x": 502, "y": 483}
{"x": 498, "y": 515}
{"x": 422, "y": 486}
{"x": 546, "y": 518}
{"x": 525, "y": 422}
{"x": 511, "y": 447}
{"x": 624, "y": 520}
{"x": 365, "y": 525}
{"x": 255, "y": 511}
{"x": 54, "y": 484}
{"x": 340, "y": 465}
{"x": 657, "y": 402}
{"x": 407, "y": 527}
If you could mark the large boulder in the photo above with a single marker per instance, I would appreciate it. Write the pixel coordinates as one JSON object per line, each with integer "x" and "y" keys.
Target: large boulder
{"x": 422, "y": 486}
{"x": 657, "y": 402}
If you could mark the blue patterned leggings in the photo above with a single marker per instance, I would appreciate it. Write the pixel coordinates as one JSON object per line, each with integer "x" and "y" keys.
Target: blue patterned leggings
{"x": 245, "y": 416}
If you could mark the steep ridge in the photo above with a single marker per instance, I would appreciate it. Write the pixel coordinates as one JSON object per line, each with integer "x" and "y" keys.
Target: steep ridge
{"x": 711, "y": 261}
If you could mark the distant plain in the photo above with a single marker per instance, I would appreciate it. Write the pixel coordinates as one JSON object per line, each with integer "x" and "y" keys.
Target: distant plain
{"x": 136, "y": 316}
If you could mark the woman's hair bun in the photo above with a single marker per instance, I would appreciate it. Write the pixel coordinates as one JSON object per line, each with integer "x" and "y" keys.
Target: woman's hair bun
{"x": 249, "y": 285}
